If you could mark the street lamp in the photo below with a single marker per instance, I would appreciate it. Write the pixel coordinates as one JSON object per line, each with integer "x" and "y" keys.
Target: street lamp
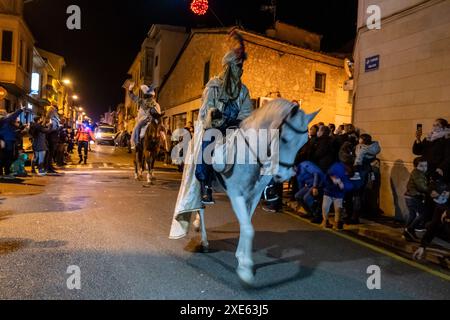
{"x": 75, "y": 97}
{"x": 67, "y": 81}
{"x": 80, "y": 109}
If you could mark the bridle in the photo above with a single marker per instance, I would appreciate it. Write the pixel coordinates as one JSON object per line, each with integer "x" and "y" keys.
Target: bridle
{"x": 285, "y": 122}
{"x": 293, "y": 128}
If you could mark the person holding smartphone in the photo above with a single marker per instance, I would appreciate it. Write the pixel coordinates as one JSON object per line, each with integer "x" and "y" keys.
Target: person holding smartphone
{"x": 432, "y": 148}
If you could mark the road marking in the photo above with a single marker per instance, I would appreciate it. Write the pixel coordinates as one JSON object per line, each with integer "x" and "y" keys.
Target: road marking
{"x": 94, "y": 172}
{"x": 378, "y": 249}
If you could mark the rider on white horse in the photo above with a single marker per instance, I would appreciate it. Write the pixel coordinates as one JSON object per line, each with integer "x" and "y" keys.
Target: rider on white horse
{"x": 226, "y": 103}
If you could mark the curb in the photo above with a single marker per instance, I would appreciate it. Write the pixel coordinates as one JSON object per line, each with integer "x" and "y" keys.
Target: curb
{"x": 439, "y": 257}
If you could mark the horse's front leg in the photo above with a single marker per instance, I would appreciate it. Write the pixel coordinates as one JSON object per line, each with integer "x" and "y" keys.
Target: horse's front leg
{"x": 149, "y": 160}
{"x": 252, "y": 204}
{"x": 247, "y": 233}
{"x": 136, "y": 164}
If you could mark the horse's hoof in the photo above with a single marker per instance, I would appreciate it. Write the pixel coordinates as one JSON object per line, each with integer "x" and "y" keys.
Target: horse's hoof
{"x": 205, "y": 249}
{"x": 246, "y": 275}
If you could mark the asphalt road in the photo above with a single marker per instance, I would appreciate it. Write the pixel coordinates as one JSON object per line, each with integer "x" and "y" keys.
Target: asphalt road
{"x": 99, "y": 219}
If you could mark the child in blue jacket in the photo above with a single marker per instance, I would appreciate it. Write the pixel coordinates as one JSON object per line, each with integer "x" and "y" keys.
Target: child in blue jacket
{"x": 337, "y": 184}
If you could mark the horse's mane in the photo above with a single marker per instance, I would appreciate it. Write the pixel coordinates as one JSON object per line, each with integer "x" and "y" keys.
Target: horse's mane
{"x": 271, "y": 116}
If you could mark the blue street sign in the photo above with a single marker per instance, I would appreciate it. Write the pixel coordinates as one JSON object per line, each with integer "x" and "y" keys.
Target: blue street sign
{"x": 373, "y": 63}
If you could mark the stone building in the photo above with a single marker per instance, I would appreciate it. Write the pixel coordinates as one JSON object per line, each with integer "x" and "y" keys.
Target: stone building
{"x": 402, "y": 79}
{"x": 275, "y": 68}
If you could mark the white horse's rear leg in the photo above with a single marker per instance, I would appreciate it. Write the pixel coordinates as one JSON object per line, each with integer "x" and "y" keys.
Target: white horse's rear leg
{"x": 205, "y": 243}
{"x": 245, "y": 268}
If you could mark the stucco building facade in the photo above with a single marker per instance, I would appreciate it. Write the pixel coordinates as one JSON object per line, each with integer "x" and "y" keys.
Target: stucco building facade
{"x": 152, "y": 63}
{"x": 402, "y": 79}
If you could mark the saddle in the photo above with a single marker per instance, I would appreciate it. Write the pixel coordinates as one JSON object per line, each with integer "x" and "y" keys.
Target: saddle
{"x": 225, "y": 154}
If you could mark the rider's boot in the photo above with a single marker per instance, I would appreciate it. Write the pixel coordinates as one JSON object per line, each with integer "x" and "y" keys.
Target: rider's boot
{"x": 207, "y": 198}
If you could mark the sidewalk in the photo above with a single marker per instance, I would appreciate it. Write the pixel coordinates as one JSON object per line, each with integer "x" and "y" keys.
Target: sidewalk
{"x": 387, "y": 233}
{"x": 21, "y": 187}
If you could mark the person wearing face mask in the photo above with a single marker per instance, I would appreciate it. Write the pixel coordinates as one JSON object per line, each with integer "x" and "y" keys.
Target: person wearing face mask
{"x": 417, "y": 190}
{"x": 433, "y": 147}
{"x": 226, "y": 103}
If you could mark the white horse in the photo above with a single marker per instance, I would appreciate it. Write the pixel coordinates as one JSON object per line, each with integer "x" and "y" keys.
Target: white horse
{"x": 245, "y": 184}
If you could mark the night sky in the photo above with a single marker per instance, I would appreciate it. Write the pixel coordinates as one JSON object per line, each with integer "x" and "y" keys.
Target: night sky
{"x": 99, "y": 56}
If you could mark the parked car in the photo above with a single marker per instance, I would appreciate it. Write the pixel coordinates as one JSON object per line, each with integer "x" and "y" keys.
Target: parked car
{"x": 105, "y": 135}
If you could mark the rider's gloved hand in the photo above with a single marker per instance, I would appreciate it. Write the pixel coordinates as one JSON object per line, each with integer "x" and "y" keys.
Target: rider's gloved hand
{"x": 216, "y": 114}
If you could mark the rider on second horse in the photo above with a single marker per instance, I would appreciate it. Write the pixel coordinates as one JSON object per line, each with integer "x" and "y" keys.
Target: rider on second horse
{"x": 148, "y": 110}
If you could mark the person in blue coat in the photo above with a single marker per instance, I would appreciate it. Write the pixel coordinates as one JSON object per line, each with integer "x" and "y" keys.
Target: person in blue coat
{"x": 310, "y": 180}
{"x": 337, "y": 184}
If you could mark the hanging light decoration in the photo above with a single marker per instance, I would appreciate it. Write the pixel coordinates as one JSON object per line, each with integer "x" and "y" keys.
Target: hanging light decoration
{"x": 199, "y": 7}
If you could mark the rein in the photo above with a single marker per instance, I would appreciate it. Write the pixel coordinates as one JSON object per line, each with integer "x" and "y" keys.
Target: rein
{"x": 290, "y": 126}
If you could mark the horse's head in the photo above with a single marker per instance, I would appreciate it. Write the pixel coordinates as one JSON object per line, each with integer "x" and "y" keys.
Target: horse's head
{"x": 293, "y": 136}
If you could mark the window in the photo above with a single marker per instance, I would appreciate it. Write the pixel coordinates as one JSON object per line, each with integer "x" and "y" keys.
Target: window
{"x": 21, "y": 54}
{"x": 321, "y": 81}
{"x": 29, "y": 64}
{"x": 8, "y": 106}
{"x": 149, "y": 65}
{"x": 7, "y": 46}
{"x": 206, "y": 73}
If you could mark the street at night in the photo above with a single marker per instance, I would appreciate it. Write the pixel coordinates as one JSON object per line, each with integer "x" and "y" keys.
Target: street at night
{"x": 116, "y": 231}
{"x": 233, "y": 158}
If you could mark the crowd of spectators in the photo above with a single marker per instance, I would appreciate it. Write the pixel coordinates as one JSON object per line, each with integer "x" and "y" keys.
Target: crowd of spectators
{"x": 52, "y": 142}
{"x": 337, "y": 169}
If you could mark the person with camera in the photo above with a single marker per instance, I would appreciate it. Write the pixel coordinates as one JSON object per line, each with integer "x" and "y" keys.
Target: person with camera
{"x": 432, "y": 148}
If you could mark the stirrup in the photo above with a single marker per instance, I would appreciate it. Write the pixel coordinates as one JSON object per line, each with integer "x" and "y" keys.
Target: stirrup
{"x": 270, "y": 197}
{"x": 207, "y": 198}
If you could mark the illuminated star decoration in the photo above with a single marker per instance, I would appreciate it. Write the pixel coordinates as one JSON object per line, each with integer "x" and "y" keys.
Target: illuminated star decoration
{"x": 199, "y": 7}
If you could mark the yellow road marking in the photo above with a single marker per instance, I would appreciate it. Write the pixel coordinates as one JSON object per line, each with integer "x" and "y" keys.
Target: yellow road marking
{"x": 380, "y": 250}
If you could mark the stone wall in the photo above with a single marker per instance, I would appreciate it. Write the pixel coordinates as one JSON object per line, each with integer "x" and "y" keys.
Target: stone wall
{"x": 266, "y": 71}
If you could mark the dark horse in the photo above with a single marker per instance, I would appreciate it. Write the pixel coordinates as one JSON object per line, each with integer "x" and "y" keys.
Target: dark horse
{"x": 148, "y": 149}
